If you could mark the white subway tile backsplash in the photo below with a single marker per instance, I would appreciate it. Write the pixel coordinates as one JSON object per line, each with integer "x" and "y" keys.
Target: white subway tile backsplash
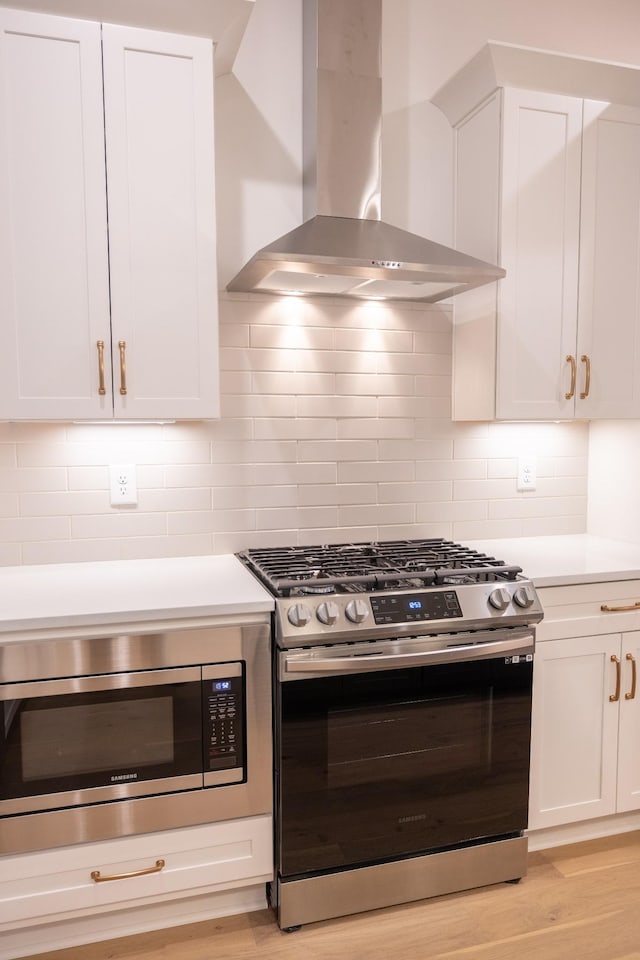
{"x": 377, "y": 471}
{"x": 375, "y": 340}
{"x": 292, "y": 383}
{"x": 418, "y": 492}
{"x": 376, "y": 514}
{"x": 148, "y": 548}
{"x": 72, "y": 551}
{"x": 260, "y": 451}
{"x": 283, "y": 429}
{"x": 322, "y": 450}
{"x": 448, "y": 511}
{"x": 256, "y": 405}
{"x": 376, "y": 427}
{"x": 335, "y": 426}
{"x": 64, "y": 504}
{"x": 38, "y": 478}
{"x": 486, "y": 529}
{"x": 236, "y": 382}
{"x": 451, "y": 470}
{"x": 174, "y": 499}
{"x": 415, "y": 450}
{"x": 335, "y": 406}
{"x": 289, "y": 338}
{"x": 552, "y": 526}
{"x": 545, "y": 508}
{"x": 337, "y": 493}
{"x": 324, "y": 516}
{"x": 22, "y": 529}
{"x": 123, "y": 523}
{"x": 8, "y": 504}
{"x": 295, "y": 473}
{"x": 369, "y": 384}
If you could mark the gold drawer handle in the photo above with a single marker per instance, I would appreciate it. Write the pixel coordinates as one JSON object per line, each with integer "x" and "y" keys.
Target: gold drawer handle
{"x": 95, "y": 874}
{"x": 100, "y": 346}
{"x": 632, "y": 606}
{"x": 572, "y": 388}
{"x": 632, "y": 694}
{"x": 587, "y": 377}
{"x": 616, "y": 696}
{"x": 122, "y": 346}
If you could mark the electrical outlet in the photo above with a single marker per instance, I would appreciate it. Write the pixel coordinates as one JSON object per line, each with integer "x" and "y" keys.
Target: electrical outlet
{"x": 122, "y": 483}
{"x": 526, "y": 473}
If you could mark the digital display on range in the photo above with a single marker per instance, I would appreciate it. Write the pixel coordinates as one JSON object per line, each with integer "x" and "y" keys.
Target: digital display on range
{"x": 416, "y": 607}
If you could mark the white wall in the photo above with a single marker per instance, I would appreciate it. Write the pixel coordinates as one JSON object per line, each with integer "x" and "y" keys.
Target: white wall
{"x": 426, "y": 41}
{"x": 614, "y": 480}
{"x": 335, "y": 418}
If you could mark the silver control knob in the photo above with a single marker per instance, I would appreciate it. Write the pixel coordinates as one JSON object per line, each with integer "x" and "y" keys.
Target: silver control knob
{"x": 328, "y": 612}
{"x": 299, "y": 615}
{"x": 524, "y": 596}
{"x": 357, "y": 611}
{"x": 500, "y": 598}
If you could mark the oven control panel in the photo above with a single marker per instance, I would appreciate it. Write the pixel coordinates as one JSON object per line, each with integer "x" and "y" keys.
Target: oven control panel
{"x": 415, "y": 607}
{"x": 338, "y": 617}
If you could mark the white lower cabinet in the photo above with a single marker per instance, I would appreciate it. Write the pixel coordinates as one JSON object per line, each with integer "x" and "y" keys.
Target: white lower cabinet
{"x": 585, "y": 744}
{"x": 88, "y": 879}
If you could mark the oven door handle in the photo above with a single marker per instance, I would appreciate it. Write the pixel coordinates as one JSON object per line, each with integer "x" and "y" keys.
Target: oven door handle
{"x": 325, "y": 663}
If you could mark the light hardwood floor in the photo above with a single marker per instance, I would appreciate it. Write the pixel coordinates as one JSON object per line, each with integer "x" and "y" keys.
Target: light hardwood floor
{"x": 580, "y": 902}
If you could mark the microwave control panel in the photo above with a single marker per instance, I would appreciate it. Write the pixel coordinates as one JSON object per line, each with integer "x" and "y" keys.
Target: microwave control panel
{"x": 223, "y": 714}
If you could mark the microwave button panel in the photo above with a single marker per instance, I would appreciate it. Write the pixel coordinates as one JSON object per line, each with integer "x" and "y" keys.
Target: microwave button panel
{"x": 224, "y": 722}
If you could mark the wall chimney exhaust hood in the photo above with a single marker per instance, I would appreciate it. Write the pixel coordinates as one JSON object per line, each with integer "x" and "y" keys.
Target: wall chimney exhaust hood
{"x": 344, "y": 249}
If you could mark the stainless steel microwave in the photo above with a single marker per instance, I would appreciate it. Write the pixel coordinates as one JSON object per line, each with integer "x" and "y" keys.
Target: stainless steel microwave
{"x": 103, "y": 736}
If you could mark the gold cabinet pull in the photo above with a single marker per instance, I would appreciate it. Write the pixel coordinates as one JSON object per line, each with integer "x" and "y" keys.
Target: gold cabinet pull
{"x": 624, "y": 609}
{"x": 122, "y": 346}
{"x": 616, "y": 696}
{"x": 100, "y": 346}
{"x": 632, "y": 693}
{"x": 572, "y": 388}
{"x": 97, "y": 876}
{"x": 587, "y": 376}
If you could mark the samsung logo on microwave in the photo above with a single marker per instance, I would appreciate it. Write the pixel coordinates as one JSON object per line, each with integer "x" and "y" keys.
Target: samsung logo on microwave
{"x": 414, "y": 819}
{"x": 123, "y": 776}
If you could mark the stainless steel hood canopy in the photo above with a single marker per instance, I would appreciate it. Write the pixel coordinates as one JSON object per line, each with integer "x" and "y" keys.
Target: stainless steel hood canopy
{"x": 344, "y": 248}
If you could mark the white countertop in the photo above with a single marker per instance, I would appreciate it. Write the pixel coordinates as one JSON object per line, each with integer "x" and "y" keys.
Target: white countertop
{"x": 69, "y": 595}
{"x": 116, "y": 591}
{"x": 555, "y": 561}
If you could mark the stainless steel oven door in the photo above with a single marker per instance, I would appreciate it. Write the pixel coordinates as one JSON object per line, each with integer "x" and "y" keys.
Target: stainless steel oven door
{"x": 394, "y": 748}
{"x": 89, "y": 739}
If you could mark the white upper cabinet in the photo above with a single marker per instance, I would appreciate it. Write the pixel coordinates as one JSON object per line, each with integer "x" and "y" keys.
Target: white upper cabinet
{"x": 107, "y": 276}
{"x": 609, "y": 300}
{"x": 547, "y": 184}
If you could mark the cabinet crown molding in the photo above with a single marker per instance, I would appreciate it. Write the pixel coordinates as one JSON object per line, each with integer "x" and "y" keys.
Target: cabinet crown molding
{"x": 507, "y": 65}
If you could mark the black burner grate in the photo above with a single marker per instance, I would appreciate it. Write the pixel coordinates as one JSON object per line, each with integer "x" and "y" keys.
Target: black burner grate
{"x": 368, "y": 567}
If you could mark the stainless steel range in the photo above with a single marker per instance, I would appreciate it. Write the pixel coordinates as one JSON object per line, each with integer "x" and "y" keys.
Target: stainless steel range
{"x": 402, "y": 722}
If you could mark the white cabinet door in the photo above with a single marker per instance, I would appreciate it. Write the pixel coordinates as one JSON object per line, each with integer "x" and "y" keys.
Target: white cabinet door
{"x": 58, "y": 269}
{"x": 609, "y": 304}
{"x": 160, "y": 173}
{"x": 574, "y": 730}
{"x": 54, "y": 294}
{"x": 629, "y": 727}
{"x": 540, "y": 218}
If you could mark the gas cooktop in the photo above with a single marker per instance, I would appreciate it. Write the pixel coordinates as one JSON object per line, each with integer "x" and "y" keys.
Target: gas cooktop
{"x": 371, "y": 567}
{"x": 363, "y": 591}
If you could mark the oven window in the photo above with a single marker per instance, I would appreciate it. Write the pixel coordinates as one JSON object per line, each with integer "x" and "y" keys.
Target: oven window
{"x": 379, "y": 765}
{"x": 76, "y": 741}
